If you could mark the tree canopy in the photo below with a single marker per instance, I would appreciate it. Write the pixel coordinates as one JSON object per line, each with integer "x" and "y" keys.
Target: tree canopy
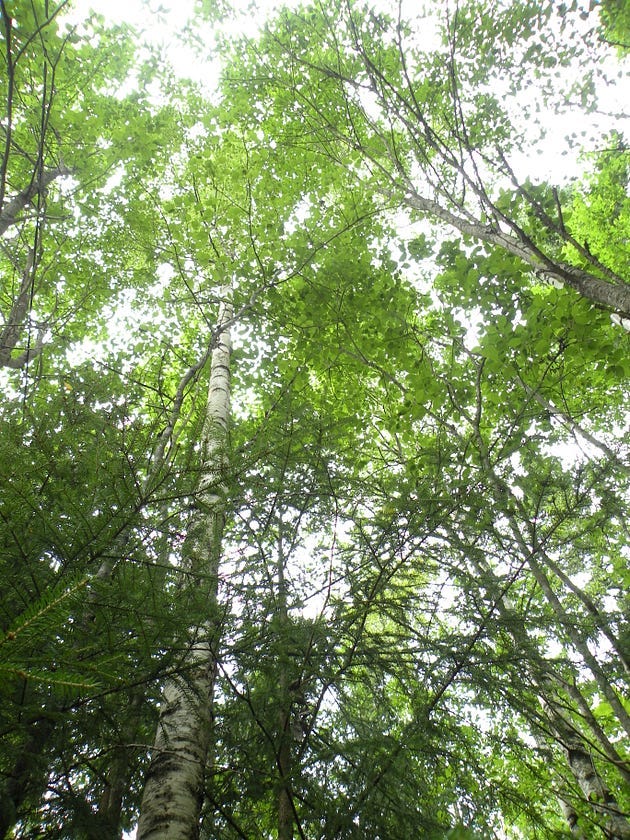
{"x": 313, "y": 435}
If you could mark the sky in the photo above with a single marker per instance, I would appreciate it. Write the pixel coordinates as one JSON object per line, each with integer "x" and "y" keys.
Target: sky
{"x": 160, "y": 26}
{"x": 554, "y": 160}
{"x": 165, "y": 18}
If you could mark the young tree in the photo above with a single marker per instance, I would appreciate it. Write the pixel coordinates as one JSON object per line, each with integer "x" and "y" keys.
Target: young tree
{"x": 172, "y": 795}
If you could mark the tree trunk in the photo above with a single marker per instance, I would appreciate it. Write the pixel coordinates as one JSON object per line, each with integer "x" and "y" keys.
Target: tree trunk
{"x": 28, "y": 774}
{"x": 18, "y": 203}
{"x": 572, "y": 818}
{"x": 285, "y": 808}
{"x": 579, "y": 759}
{"x": 173, "y": 793}
{"x": 118, "y": 774}
{"x": 285, "y": 805}
{"x": 594, "y": 789}
{"x": 611, "y": 295}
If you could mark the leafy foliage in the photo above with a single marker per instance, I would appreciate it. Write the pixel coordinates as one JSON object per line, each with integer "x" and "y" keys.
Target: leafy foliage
{"x": 420, "y": 618}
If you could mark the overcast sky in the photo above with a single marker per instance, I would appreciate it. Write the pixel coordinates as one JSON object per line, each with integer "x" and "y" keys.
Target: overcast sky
{"x": 160, "y": 21}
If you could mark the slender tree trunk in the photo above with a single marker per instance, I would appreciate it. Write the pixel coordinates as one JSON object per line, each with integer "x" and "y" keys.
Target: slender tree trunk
{"x": 593, "y": 787}
{"x": 531, "y": 555}
{"x": 568, "y": 624}
{"x": 572, "y": 818}
{"x": 285, "y": 805}
{"x": 118, "y": 774}
{"x": 37, "y": 187}
{"x": 173, "y": 793}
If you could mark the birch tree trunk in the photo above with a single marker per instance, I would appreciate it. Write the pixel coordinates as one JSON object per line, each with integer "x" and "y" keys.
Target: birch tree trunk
{"x": 173, "y": 792}
{"x": 575, "y": 746}
{"x": 612, "y": 294}
{"x": 593, "y": 787}
{"x": 285, "y": 807}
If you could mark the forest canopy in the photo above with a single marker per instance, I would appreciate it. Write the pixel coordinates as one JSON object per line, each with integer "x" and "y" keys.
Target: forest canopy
{"x": 314, "y": 423}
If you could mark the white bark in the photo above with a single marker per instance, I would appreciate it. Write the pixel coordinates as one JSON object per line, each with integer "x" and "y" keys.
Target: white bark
{"x": 173, "y": 791}
{"x": 572, "y": 818}
{"x": 574, "y": 744}
{"x": 611, "y": 295}
{"x": 594, "y": 789}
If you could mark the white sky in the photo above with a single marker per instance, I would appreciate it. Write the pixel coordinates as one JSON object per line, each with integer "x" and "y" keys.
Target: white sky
{"x": 159, "y": 25}
{"x": 160, "y": 20}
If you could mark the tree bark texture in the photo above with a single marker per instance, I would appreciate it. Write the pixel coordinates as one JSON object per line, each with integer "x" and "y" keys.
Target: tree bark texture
{"x": 19, "y": 202}
{"x": 610, "y": 295}
{"x": 593, "y": 787}
{"x": 173, "y": 793}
